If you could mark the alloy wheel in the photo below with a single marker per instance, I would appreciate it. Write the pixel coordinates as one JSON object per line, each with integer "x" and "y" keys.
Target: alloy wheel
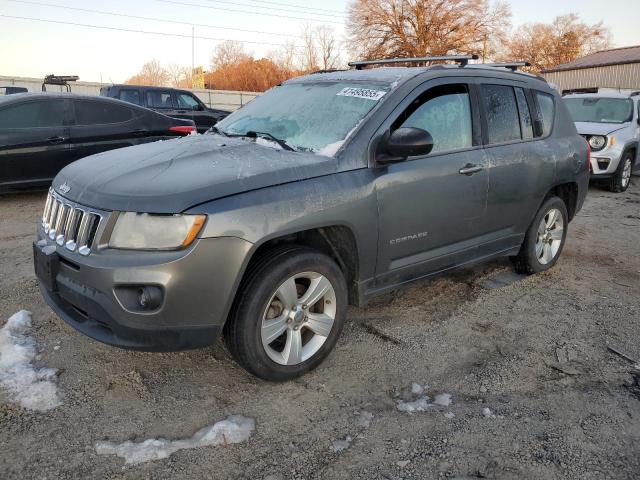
{"x": 626, "y": 173}
{"x": 298, "y": 318}
{"x": 550, "y": 235}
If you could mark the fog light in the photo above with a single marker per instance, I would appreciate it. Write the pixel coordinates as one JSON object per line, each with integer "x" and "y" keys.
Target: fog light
{"x": 149, "y": 298}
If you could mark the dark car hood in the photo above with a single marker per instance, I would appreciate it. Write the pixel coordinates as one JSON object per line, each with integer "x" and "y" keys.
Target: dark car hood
{"x": 171, "y": 176}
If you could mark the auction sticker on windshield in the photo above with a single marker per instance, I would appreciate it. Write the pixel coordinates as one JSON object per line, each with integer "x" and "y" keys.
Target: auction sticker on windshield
{"x": 362, "y": 93}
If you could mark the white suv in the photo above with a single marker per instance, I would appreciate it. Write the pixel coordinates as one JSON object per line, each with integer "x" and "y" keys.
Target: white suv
{"x": 611, "y": 124}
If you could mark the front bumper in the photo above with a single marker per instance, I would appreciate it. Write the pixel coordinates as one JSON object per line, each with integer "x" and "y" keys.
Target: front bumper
{"x": 94, "y": 295}
{"x": 604, "y": 163}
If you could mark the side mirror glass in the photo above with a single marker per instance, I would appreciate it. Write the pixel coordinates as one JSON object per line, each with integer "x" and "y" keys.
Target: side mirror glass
{"x": 408, "y": 142}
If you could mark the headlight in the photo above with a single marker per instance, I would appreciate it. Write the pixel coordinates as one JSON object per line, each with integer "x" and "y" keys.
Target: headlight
{"x": 597, "y": 142}
{"x": 143, "y": 231}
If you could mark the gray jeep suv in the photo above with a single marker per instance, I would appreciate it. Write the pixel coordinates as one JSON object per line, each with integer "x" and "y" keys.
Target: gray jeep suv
{"x": 323, "y": 192}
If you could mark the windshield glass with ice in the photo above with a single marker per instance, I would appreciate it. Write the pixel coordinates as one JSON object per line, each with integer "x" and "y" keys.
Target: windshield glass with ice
{"x": 600, "y": 110}
{"x": 312, "y": 117}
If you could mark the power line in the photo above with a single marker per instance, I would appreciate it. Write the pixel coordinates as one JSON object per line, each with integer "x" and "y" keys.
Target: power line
{"x": 248, "y": 12}
{"x": 138, "y": 17}
{"x": 298, "y": 6}
{"x": 227, "y": 2}
{"x": 147, "y": 32}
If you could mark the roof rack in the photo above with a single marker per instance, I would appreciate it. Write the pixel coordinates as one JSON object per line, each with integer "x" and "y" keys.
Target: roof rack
{"x": 513, "y": 66}
{"x": 62, "y": 80}
{"x": 460, "y": 59}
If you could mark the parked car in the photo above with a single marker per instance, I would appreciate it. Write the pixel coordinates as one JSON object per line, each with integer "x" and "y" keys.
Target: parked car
{"x": 40, "y": 133}
{"x": 611, "y": 124}
{"x": 169, "y": 101}
{"x": 11, "y": 90}
{"x": 326, "y": 191}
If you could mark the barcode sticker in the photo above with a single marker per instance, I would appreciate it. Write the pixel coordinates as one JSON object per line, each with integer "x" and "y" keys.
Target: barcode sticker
{"x": 362, "y": 93}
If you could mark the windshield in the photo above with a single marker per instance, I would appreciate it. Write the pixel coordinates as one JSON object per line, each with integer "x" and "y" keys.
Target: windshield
{"x": 312, "y": 117}
{"x": 600, "y": 110}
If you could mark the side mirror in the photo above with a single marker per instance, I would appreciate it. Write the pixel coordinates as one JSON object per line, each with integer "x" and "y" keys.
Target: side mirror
{"x": 408, "y": 142}
{"x": 197, "y": 108}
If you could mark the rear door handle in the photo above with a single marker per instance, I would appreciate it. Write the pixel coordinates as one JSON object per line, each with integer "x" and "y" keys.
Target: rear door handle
{"x": 469, "y": 169}
{"x": 55, "y": 140}
{"x": 140, "y": 133}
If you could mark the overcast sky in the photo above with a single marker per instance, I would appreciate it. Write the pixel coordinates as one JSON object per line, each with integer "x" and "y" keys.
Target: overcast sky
{"x": 32, "y": 48}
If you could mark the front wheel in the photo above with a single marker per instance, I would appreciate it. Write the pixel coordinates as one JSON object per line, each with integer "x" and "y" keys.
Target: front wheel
{"x": 622, "y": 178}
{"x": 289, "y": 313}
{"x": 544, "y": 239}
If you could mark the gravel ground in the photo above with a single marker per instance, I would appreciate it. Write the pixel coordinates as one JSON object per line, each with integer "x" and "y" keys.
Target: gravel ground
{"x": 535, "y": 392}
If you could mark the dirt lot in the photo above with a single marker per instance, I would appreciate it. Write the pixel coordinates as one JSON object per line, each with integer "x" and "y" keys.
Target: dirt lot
{"x": 534, "y": 352}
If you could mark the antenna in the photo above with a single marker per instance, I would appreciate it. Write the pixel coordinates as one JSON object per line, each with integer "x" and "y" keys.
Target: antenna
{"x": 462, "y": 60}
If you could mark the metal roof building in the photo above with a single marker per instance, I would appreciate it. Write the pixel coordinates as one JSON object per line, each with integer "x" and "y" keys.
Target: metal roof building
{"x": 617, "y": 68}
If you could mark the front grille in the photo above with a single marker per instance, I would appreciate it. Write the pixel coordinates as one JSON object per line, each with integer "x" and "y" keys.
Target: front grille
{"x": 69, "y": 225}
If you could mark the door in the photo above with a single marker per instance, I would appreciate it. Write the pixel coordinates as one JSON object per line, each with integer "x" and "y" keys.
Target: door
{"x": 430, "y": 207}
{"x": 101, "y": 125}
{"x": 34, "y": 141}
{"x": 193, "y": 109}
{"x": 522, "y": 166}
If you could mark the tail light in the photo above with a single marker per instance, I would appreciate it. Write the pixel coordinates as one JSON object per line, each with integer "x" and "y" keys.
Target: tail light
{"x": 183, "y": 129}
{"x": 589, "y": 156}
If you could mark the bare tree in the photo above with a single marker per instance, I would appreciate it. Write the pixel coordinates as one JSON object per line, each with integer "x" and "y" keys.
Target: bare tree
{"x": 179, "y": 75}
{"x": 562, "y": 41}
{"x": 152, "y": 73}
{"x": 415, "y": 28}
{"x": 310, "y": 52}
{"x": 286, "y": 58}
{"x": 327, "y": 47}
{"x": 227, "y": 53}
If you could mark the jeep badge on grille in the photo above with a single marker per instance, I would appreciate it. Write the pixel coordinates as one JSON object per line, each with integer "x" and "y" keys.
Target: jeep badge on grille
{"x": 64, "y": 188}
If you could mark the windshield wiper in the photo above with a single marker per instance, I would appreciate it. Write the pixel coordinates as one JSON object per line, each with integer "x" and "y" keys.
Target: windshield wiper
{"x": 268, "y": 136}
{"x": 215, "y": 129}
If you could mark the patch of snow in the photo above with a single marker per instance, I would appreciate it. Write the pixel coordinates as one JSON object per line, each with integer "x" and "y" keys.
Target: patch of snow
{"x": 331, "y": 149}
{"x": 486, "y": 412}
{"x": 443, "y": 399}
{"x": 364, "y": 419}
{"x": 49, "y": 249}
{"x": 268, "y": 143}
{"x": 339, "y": 445}
{"x": 421, "y": 401}
{"x": 234, "y": 429}
{"x": 417, "y": 389}
{"x": 33, "y": 388}
{"x": 449, "y": 415}
{"x": 420, "y": 405}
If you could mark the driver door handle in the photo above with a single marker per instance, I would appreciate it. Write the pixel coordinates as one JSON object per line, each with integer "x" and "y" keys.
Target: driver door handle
{"x": 470, "y": 169}
{"x": 55, "y": 140}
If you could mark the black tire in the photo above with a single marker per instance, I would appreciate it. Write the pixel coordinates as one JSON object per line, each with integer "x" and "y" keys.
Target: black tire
{"x": 619, "y": 183}
{"x": 527, "y": 261}
{"x": 242, "y": 332}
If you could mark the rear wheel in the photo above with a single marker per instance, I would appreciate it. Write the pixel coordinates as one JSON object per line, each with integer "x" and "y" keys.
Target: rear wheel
{"x": 288, "y": 315}
{"x": 544, "y": 239}
{"x": 622, "y": 178}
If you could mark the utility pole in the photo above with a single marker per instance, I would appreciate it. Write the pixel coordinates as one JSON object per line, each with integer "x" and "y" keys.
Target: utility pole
{"x": 193, "y": 52}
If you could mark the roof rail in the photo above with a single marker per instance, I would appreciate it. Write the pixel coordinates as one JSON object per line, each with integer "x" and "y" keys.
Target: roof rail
{"x": 513, "y": 66}
{"x": 62, "y": 80}
{"x": 460, "y": 59}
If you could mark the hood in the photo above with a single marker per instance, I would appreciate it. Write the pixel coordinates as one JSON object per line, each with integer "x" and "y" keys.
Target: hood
{"x": 171, "y": 176}
{"x": 589, "y": 128}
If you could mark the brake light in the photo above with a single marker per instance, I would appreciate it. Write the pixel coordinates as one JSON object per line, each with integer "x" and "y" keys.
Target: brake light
{"x": 183, "y": 129}
{"x": 589, "y": 156}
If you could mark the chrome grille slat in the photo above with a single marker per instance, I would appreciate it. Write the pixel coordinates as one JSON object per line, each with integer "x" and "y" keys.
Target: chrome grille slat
{"x": 70, "y": 225}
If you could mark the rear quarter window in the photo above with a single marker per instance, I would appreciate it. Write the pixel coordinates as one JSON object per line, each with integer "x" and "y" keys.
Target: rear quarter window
{"x": 546, "y": 110}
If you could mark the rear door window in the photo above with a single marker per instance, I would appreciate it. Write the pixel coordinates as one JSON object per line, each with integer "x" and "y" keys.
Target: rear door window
{"x": 546, "y": 110}
{"x": 501, "y": 111}
{"x": 34, "y": 114}
{"x": 444, "y": 112}
{"x": 131, "y": 96}
{"x": 526, "y": 124}
{"x": 159, "y": 99}
{"x": 89, "y": 112}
